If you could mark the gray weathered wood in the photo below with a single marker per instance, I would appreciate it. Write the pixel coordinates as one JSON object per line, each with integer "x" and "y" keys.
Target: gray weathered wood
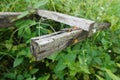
{"x": 67, "y": 19}
{"x": 43, "y": 46}
{"x": 6, "y": 17}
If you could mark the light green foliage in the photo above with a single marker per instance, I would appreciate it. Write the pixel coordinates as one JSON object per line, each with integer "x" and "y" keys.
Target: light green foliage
{"x": 96, "y": 58}
{"x": 111, "y": 75}
{"x": 17, "y": 62}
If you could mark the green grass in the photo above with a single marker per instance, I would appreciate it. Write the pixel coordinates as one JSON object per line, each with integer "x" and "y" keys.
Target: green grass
{"x": 96, "y": 58}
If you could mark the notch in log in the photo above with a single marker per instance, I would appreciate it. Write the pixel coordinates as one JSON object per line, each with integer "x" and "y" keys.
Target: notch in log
{"x": 46, "y": 45}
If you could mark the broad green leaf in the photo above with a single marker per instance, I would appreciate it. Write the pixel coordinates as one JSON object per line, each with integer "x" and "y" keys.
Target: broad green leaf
{"x": 28, "y": 31}
{"x": 24, "y": 23}
{"x": 30, "y": 78}
{"x": 20, "y": 77}
{"x": 74, "y": 68}
{"x": 10, "y": 75}
{"x": 118, "y": 64}
{"x": 111, "y": 75}
{"x": 44, "y": 77}
{"x": 53, "y": 56}
{"x": 33, "y": 71}
{"x": 99, "y": 77}
{"x": 70, "y": 57}
{"x": 20, "y": 32}
{"x": 60, "y": 66}
{"x": 116, "y": 50}
{"x": 17, "y": 62}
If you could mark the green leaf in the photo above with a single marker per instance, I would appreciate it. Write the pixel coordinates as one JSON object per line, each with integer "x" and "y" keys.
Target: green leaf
{"x": 8, "y": 44}
{"x": 24, "y": 27}
{"x": 100, "y": 78}
{"x": 40, "y": 3}
{"x": 28, "y": 31}
{"x": 24, "y": 23}
{"x": 23, "y": 15}
{"x": 111, "y": 75}
{"x": 60, "y": 66}
{"x": 20, "y": 77}
{"x": 10, "y": 75}
{"x": 116, "y": 50}
{"x": 33, "y": 71}
{"x": 118, "y": 64}
{"x": 30, "y": 78}
{"x": 25, "y": 52}
{"x": 74, "y": 68}
{"x": 44, "y": 77}
{"x": 53, "y": 56}
{"x": 17, "y": 62}
{"x": 20, "y": 32}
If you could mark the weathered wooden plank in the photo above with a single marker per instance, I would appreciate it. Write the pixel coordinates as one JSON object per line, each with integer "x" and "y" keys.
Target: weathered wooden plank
{"x": 6, "y": 17}
{"x": 67, "y": 19}
{"x": 43, "y": 46}
{"x": 9, "y": 14}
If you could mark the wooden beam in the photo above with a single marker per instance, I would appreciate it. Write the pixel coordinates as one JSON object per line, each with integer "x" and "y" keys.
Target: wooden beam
{"x": 45, "y": 45}
{"x": 82, "y": 23}
{"x": 6, "y": 17}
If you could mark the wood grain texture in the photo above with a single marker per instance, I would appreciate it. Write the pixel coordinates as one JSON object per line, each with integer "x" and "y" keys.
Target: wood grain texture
{"x": 6, "y": 17}
{"x": 67, "y": 19}
{"x": 45, "y": 45}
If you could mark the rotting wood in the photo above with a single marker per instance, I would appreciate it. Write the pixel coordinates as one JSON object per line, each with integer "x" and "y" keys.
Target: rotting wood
{"x": 6, "y": 17}
{"x": 45, "y": 45}
{"x": 67, "y": 19}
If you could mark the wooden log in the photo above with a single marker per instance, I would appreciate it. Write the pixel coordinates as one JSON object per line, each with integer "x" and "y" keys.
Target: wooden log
{"x": 67, "y": 19}
{"x": 43, "y": 46}
{"x": 6, "y": 17}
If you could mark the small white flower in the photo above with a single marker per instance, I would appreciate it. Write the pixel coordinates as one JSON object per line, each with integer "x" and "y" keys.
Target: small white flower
{"x": 109, "y": 51}
{"x": 94, "y": 30}
{"x": 34, "y": 78}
